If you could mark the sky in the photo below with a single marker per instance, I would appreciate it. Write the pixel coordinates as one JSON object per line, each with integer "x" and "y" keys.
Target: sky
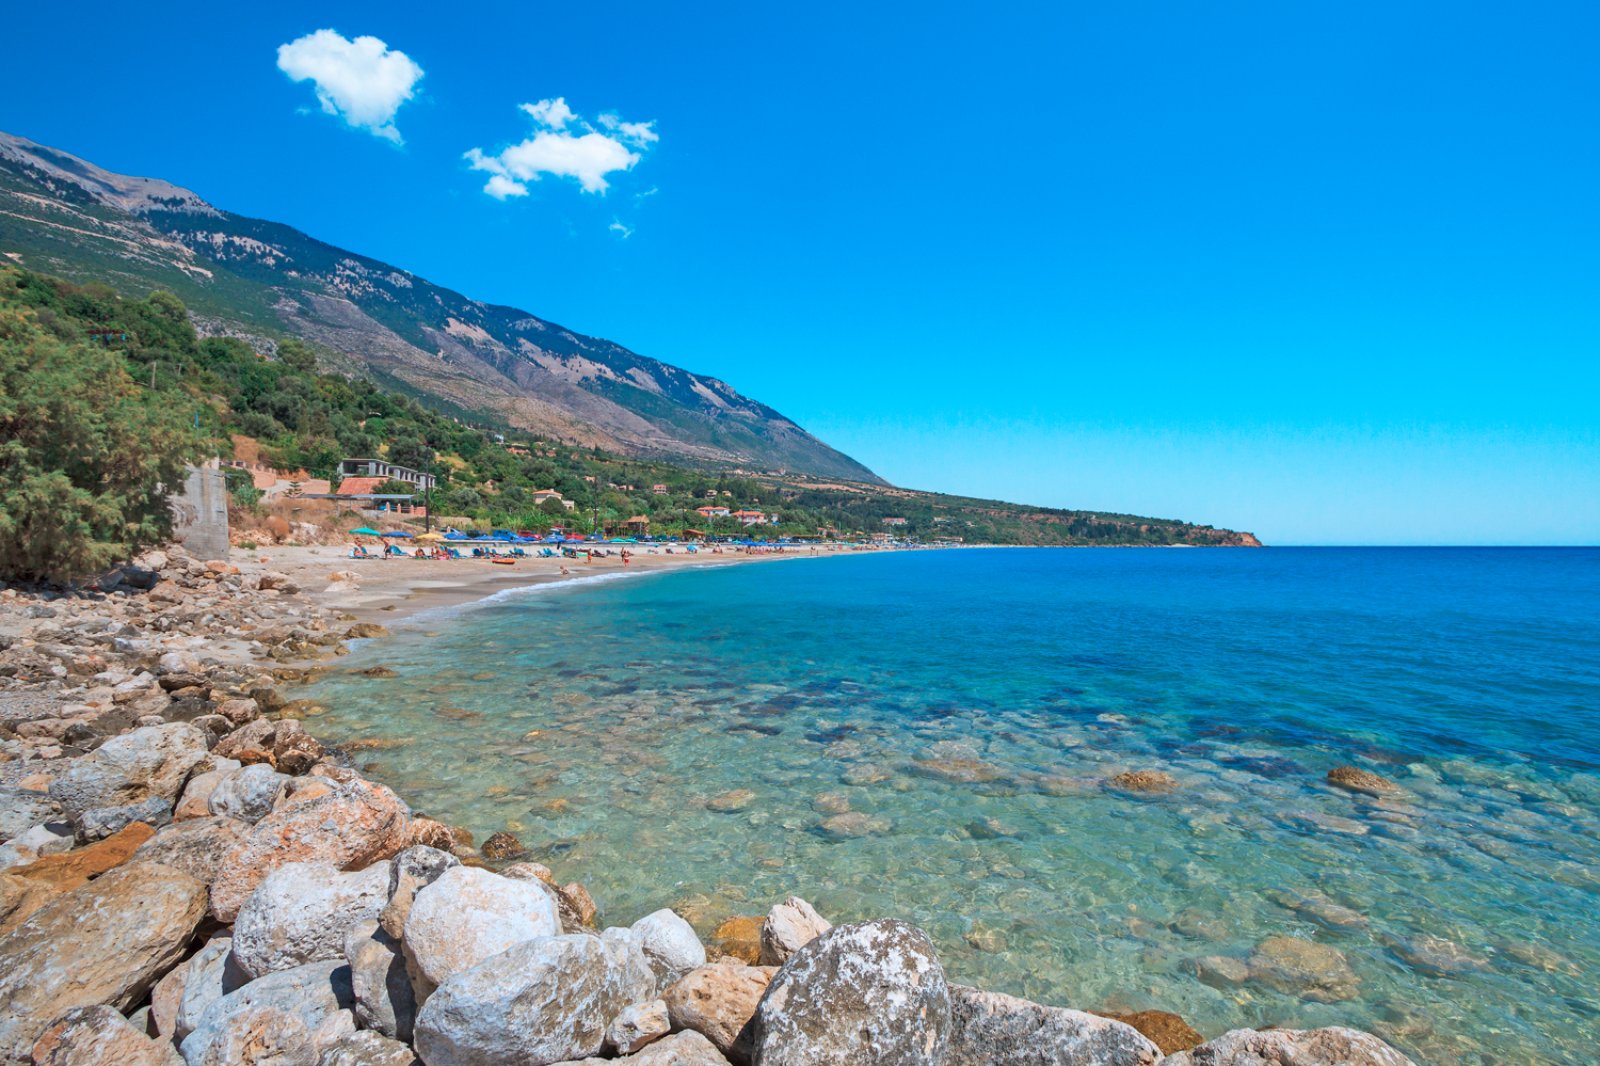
{"x": 1329, "y": 273}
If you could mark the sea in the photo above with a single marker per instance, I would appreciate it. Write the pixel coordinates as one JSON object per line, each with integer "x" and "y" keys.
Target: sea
{"x": 934, "y": 735}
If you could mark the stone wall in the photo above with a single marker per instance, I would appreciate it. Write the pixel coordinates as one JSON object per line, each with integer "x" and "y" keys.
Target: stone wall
{"x": 201, "y": 513}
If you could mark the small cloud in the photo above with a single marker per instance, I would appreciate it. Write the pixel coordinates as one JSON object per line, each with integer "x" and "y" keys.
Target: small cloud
{"x": 619, "y": 229}
{"x": 363, "y": 81}
{"x": 564, "y": 145}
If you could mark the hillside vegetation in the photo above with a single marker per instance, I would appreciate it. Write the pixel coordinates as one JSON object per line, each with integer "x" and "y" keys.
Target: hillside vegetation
{"x": 179, "y": 396}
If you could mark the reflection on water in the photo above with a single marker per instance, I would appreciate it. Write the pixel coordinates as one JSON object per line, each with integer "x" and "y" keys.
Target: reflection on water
{"x": 930, "y": 737}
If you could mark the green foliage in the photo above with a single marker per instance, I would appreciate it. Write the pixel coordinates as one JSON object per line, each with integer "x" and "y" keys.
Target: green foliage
{"x": 86, "y": 453}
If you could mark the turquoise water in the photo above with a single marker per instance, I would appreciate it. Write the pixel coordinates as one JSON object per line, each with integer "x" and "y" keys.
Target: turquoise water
{"x": 928, "y": 735}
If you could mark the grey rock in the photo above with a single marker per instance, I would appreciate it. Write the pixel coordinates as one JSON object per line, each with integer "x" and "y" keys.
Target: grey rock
{"x": 300, "y": 1001}
{"x": 989, "y": 1029}
{"x": 384, "y": 997}
{"x": 247, "y": 794}
{"x": 863, "y": 992}
{"x": 256, "y": 1035}
{"x": 101, "y": 822}
{"x": 679, "y": 1049}
{"x": 1334, "y": 1046}
{"x": 541, "y": 1001}
{"x": 466, "y": 916}
{"x": 21, "y": 810}
{"x": 151, "y": 761}
{"x": 789, "y": 926}
{"x": 669, "y": 943}
{"x": 1303, "y": 968}
{"x": 302, "y": 912}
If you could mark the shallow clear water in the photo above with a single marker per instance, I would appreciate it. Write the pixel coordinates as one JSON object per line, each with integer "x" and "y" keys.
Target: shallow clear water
{"x": 965, "y": 709}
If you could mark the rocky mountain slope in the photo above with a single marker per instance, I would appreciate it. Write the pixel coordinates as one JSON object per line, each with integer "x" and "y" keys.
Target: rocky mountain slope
{"x": 262, "y": 280}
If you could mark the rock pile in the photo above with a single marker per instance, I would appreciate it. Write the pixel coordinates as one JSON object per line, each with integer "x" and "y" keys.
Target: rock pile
{"x": 187, "y": 878}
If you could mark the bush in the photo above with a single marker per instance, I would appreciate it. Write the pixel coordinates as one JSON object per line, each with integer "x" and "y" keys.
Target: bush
{"x": 86, "y": 456}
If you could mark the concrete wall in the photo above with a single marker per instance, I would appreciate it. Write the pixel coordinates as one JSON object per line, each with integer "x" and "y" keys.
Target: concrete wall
{"x": 201, "y": 513}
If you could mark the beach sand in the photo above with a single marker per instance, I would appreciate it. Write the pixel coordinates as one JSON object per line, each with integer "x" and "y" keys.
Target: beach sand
{"x": 388, "y": 590}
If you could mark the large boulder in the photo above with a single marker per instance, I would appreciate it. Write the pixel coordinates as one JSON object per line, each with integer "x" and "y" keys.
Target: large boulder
{"x": 668, "y": 942}
{"x": 638, "y": 1025}
{"x": 98, "y": 823}
{"x": 366, "y": 1048}
{"x": 195, "y": 846}
{"x": 864, "y": 992}
{"x": 248, "y": 793}
{"x": 288, "y": 1006}
{"x": 1335, "y": 1046}
{"x": 385, "y": 1000}
{"x": 990, "y": 1029}
{"x": 347, "y": 824}
{"x": 209, "y": 975}
{"x": 541, "y": 1001}
{"x": 302, "y": 912}
{"x": 718, "y": 1002}
{"x": 152, "y": 761}
{"x": 69, "y": 869}
{"x": 411, "y": 871}
{"x": 105, "y": 943}
{"x": 789, "y": 926}
{"x": 258, "y": 1035}
{"x": 467, "y": 915}
{"x": 679, "y": 1049}
{"x": 100, "y": 1036}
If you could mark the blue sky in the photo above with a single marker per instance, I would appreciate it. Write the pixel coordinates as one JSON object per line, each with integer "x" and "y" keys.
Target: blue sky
{"x": 1330, "y": 273}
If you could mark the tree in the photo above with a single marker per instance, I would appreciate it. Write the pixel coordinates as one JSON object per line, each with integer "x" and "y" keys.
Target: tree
{"x": 295, "y": 355}
{"x": 87, "y": 456}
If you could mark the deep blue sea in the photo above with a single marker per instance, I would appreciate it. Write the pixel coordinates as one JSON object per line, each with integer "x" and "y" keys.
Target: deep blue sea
{"x": 930, "y": 735}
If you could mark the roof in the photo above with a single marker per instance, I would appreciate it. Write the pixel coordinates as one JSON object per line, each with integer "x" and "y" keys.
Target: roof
{"x": 360, "y": 486}
{"x": 639, "y": 518}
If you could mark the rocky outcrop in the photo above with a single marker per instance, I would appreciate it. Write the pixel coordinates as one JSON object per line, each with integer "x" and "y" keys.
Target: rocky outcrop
{"x": 104, "y": 944}
{"x": 151, "y": 762}
{"x": 195, "y": 846}
{"x": 540, "y": 1001}
{"x": 863, "y": 992}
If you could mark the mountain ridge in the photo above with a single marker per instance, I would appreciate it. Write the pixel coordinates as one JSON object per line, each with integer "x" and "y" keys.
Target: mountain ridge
{"x": 258, "y": 278}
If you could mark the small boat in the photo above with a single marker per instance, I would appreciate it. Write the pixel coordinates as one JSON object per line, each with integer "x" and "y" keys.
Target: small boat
{"x": 503, "y": 562}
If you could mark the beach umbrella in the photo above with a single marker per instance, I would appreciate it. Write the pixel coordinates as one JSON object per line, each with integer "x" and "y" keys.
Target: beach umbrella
{"x": 397, "y": 533}
{"x": 365, "y": 532}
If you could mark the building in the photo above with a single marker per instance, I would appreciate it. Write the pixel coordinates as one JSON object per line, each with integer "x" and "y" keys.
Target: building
{"x": 659, "y": 490}
{"x": 639, "y": 525}
{"x": 894, "y": 521}
{"x": 541, "y": 495}
{"x": 755, "y": 518}
{"x": 385, "y": 471}
{"x": 712, "y": 512}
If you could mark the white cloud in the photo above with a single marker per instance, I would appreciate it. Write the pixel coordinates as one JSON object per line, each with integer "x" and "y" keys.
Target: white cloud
{"x": 566, "y": 146}
{"x": 363, "y": 81}
{"x": 618, "y": 228}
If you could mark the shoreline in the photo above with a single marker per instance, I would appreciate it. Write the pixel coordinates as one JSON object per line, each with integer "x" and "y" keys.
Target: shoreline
{"x": 191, "y": 843}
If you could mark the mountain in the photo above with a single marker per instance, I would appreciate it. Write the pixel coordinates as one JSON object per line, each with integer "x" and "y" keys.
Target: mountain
{"x": 263, "y": 280}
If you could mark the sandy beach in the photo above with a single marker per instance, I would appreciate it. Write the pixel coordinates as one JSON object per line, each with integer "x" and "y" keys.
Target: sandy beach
{"x": 386, "y": 590}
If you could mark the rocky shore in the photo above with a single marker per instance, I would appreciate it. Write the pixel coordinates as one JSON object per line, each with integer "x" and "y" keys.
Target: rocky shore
{"x": 187, "y": 876}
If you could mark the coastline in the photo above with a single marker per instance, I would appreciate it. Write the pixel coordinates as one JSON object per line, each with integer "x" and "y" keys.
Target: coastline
{"x": 223, "y": 834}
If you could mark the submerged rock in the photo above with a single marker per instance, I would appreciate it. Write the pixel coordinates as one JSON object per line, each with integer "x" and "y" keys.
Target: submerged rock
{"x": 1355, "y": 779}
{"x": 739, "y": 937}
{"x": 731, "y": 802}
{"x": 1303, "y": 968}
{"x": 1166, "y": 1030}
{"x": 1147, "y": 782}
{"x": 864, "y": 992}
